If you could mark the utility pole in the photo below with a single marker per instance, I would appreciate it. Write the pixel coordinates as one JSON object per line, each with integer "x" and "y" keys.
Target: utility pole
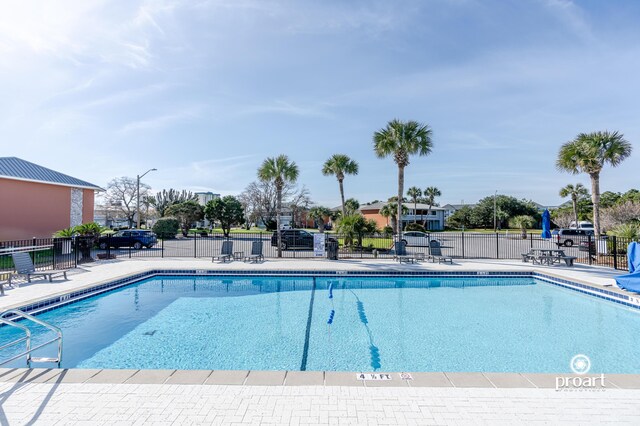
{"x": 138, "y": 197}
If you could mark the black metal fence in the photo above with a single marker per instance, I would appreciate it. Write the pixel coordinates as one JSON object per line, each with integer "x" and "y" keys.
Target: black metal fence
{"x": 63, "y": 253}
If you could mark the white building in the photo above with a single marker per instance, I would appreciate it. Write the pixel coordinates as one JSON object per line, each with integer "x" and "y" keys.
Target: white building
{"x": 205, "y": 197}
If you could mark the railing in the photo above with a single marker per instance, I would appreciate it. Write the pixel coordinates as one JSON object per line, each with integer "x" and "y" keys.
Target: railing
{"x": 17, "y": 314}
{"x": 62, "y": 253}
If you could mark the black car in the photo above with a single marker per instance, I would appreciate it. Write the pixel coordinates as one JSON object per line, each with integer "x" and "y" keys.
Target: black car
{"x": 135, "y": 238}
{"x": 296, "y": 238}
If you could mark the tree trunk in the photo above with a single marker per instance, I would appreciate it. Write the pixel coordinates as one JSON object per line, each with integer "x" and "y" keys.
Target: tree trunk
{"x": 400, "y": 192}
{"x": 427, "y": 219}
{"x": 278, "y": 213}
{"x": 574, "y": 201}
{"x": 344, "y": 211}
{"x": 595, "y": 198}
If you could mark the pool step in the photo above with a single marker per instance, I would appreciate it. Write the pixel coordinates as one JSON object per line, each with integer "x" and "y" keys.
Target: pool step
{"x": 43, "y": 359}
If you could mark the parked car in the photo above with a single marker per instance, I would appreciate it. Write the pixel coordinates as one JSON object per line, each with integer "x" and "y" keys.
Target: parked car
{"x": 417, "y": 239}
{"x": 296, "y": 238}
{"x": 569, "y": 237}
{"x": 136, "y": 238}
{"x": 583, "y": 224}
{"x": 285, "y": 226}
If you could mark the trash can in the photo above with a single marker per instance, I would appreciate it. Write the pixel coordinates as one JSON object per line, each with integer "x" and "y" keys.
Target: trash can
{"x": 332, "y": 250}
{"x": 401, "y": 248}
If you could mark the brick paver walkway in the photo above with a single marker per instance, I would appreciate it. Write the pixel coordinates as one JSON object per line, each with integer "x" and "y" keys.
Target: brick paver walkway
{"x": 88, "y": 403}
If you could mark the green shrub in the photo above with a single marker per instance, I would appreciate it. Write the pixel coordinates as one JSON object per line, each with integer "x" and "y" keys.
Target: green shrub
{"x": 166, "y": 228}
{"x": 387, "y": 231}
{"x": 414, "y": 227}
{"x": 629, "y": 231}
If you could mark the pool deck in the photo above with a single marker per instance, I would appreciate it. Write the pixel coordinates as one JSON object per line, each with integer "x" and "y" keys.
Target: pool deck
{"x": 57, "y": 396}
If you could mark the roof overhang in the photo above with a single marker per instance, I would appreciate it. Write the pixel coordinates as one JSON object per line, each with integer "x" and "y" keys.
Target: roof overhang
{"x": 68, "y": 185}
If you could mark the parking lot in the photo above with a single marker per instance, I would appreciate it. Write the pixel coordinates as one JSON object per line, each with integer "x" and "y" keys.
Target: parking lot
{"x": 457, "y": 245}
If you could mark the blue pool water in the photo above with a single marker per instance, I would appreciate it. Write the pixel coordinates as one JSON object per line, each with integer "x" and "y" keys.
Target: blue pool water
{"x": 378, "y": 324}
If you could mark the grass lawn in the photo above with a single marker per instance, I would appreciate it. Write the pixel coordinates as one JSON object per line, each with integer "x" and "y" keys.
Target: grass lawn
{"x": 378, "y": 243}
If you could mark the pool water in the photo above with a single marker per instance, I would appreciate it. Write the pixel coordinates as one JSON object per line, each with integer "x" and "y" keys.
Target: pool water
{"x": 344, "y": 324}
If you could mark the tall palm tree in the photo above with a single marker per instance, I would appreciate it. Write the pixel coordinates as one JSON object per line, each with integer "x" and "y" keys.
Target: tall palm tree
{"x": 339, "y": 165}
{"x": 576, "y": 193}
{"x": 280, "y": 171}
{"x": 430, "y": 193}
{"x": 402, "y": 139}
{"x": 588, "y": 153}
{"x": 414, "y": 193}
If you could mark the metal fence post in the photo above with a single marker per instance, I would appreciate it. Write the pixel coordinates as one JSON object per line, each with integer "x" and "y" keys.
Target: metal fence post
{"x": 615, "y": 252}
{"x": 75, "y": 252}
{"x": 589, "y": 241}
{"x": 129, "y": 244}
{"x": 109, "y": 246}
{"x": 195, "y": 245}
{"x": 462, "y": 245}
{"x": 531, "y": 239}
{"x": 497, "y": 246}
{"x": 53, "y": 243}
{"x": 162, "y": 247}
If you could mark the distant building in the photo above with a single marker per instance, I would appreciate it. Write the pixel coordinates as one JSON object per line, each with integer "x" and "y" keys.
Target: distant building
{"x": 450, "y": 209}
{"x": 205, "y": 197}
{"x": 37, "y": 201}
{"x": 434, "y": 220}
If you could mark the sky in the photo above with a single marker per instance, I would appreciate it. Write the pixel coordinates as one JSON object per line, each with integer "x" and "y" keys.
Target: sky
{"x": 205, "y": 90}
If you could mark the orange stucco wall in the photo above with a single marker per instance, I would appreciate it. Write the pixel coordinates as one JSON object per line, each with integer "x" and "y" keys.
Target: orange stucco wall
{"x": 31, "y": 209}
{"x": 381, "y": 221}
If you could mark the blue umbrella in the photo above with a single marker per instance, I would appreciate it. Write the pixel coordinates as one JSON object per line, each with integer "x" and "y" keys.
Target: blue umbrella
{"x": 546, "y": 224}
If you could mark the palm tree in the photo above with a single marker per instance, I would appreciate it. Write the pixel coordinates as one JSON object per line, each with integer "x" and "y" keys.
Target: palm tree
{"x": 402, "y": 139}
{"x": 588, "y": 153}
{"x": 280, "y": 171}
{"x": 318, "y": 214}
{"x": 351, "y": 206}
{"x": 340, "y": 165}
{"x": 576, "y": 193}
{"x": 431, "y": 193}
{"x": 390, "y": 210}
{"x": 415, "y": 193}
{"x": 523, "y": 222}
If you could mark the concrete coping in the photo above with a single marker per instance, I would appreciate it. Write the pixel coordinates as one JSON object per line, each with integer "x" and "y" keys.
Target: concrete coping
{"x": 321, "y": 378}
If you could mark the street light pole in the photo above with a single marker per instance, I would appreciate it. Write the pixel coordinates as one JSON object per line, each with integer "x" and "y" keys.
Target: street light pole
{"x": 138, "y": 196}
{"x": 495, "y": 216}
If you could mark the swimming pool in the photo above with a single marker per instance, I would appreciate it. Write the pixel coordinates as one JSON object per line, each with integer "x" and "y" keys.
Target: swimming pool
{"x": 381, "y": 323}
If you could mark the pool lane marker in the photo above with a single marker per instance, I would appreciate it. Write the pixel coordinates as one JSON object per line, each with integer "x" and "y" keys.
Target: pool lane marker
{"x": 305, "y": 350}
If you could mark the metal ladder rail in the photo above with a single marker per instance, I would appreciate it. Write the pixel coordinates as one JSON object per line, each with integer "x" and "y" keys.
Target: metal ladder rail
{"x": 27, "y": 338}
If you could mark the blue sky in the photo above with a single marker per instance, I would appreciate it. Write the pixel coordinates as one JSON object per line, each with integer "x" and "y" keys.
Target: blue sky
{"x": 204, "y": 91}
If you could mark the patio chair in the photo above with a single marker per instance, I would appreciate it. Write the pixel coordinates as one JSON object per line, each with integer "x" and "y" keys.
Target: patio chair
{"x": 226, "y": 253}
{"x": 24, "y": 267}
{"x": 435, "y": 252}
{"x": 256, "y": 252}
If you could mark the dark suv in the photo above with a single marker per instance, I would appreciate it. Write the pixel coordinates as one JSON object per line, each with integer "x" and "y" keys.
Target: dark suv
{"x": 296, "y": 238}
{"x": 135, "y": 238}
